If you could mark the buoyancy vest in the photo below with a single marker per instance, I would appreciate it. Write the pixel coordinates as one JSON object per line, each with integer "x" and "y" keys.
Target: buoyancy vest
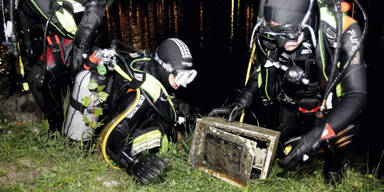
{"x": 326, "y": 37}
{"x": 154, "y": 88}
{"x": 326, "y": 40}
{"x": 62, "y": 11}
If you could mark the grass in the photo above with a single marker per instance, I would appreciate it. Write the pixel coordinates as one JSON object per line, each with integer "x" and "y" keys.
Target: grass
{"x": 32, "y": 160}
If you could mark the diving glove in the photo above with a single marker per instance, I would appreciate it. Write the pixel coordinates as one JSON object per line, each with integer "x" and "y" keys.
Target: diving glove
{"x": 300, "y": 157}
{"x": 79, "y": 56}
{"x": 148, "y": 168}
{"x": 300, "y": 149}
{"x": 233, "y": 110}
{"x": 243, "y": 100}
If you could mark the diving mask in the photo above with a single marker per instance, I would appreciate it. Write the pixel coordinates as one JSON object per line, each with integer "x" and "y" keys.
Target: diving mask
{"x": 184, "y": 77}
{"x": 281, "y": 34}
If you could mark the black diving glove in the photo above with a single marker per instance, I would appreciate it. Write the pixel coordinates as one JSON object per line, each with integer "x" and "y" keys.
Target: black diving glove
{"x": 301, "y": 149}
{"x": 79, "y": 56}
{"x": 148, "y": 168}
{"x": 234, "y": 110}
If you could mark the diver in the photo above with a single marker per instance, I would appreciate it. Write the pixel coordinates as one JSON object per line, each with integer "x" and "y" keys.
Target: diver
{"x": 133, "y": 144}
{"x": 56, "y": 37}
{"x": 310, "y": 72}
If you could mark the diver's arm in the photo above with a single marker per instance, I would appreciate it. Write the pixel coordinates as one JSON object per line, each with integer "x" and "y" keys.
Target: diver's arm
{"x": 88, "y": 28}
{"x": 353, "y": 82}
{"x": 345, "y": 110}
{"x": 247, "y": 94}
{"x": 87, "y": 31}
{"x": 243, "y": 100}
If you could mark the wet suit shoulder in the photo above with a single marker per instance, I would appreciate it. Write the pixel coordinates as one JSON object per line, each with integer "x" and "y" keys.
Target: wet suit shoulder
{"x": 353, "y": 83}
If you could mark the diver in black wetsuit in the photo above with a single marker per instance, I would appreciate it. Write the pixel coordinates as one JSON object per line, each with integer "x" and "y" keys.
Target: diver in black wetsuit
{"x": 57, "y": 37}
{"x": 134, "y": 142}
{"x": 311, "y": 66}
{"x": 70, "y": 29}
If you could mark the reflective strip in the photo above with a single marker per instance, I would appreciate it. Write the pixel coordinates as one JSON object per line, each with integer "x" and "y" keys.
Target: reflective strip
{"x": 164, "y": 145}
{"x": 46, "y": 17}
{"x": 66, "y": 20}
{"x": 344, "y": 144}
{"x": 322, "y": 54}
{"x": 259, "y": 77}
{"x": 266, "y": 81}
{"x": 184, "y": 50}
{"x": 343, "y": 139}
{"x": 266, "y": 84}
{"x": 137, "y": 107}
{"x": 146, "y": 141}
{"x": 151, "y": 86}
{"x": 326, "y": 16}
{"x": 154, "y": 87}
{"x": 328, "y": 133}
{"x": 339, "y": 90}
{"x": 77, "y": 7}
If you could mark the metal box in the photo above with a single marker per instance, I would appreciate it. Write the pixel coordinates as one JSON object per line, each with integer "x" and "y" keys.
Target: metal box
{"x": 232, "y": 151}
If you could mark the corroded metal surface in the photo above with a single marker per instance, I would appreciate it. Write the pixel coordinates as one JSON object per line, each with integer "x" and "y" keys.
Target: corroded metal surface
{"x": 232, "y": 151}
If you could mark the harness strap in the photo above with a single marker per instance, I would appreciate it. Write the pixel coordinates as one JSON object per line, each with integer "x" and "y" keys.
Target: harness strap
{"x": 77, "y": 105}
{"x": 56, "y": 50}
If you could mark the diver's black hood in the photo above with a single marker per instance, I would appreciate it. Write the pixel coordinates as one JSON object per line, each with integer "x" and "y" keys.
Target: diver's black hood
{"x": 174, "y": 54}
{"x": 285, "y": 11}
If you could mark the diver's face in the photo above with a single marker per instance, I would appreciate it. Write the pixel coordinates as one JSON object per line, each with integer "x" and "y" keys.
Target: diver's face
{"x": 172, "y": 82}
{"x": 285, "y": 36}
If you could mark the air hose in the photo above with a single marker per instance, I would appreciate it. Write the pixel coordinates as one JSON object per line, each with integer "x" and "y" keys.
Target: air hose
{"x": 45, "y": 35}
{"x": 332, "y": 84}
{"x": 104, "y": 136}
{"x": 115, "y": 121}
{"x": 142, "y": 91}
{"x": 338, "y": 44}
{"x": 111, "y": 126}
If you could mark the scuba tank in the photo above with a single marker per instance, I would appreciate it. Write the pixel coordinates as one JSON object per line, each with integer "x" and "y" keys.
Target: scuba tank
{"x": 80, "y": 116}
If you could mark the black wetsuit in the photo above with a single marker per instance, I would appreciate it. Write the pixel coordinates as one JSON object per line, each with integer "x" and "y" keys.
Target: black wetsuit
{"x": 296, "y": 98}
{"x": 48, "y": 80}
{"x": 145, "y": 118}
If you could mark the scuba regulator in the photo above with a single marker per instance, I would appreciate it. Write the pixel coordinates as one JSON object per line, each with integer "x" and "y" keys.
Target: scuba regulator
{"x": 270, "y": 37}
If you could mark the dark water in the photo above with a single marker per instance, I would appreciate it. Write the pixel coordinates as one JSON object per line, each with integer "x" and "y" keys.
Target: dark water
{"x": 217, "y": 33}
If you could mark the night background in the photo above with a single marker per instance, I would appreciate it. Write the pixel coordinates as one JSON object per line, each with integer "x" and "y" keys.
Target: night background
{"x": 217, "y": 33}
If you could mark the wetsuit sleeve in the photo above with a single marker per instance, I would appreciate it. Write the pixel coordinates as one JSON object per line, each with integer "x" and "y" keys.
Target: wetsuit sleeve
{"x": 89, "y": 26}
{"x": 246, "y": 96}
{"x": 87, "y": 31}
{"x": 353, "y": 82}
